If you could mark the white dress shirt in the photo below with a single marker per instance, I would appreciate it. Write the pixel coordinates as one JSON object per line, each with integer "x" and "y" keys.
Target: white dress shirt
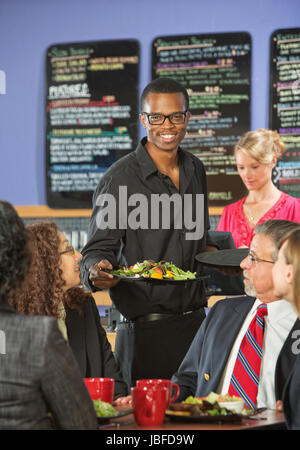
{"x": 278, "y": 323}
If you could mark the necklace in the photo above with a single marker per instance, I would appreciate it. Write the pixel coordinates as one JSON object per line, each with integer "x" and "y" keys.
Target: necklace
{"x": 249, "y": 215}
{"x": 261, "y": 206}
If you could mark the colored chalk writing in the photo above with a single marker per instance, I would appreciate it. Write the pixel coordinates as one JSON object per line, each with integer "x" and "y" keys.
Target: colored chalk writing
{"x": 285, "y": 106}
{"x": 216, "y": 70}
{"x": 91, "y": 115}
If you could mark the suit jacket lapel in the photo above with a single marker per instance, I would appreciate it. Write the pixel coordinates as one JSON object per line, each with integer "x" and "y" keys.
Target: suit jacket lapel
{"x": 285, "y": 361}
{"x": 76, "y": 337}
{"x": 5, "y": 307}
{"x": 236, "y": 315}
{"x": 93, "y": 340}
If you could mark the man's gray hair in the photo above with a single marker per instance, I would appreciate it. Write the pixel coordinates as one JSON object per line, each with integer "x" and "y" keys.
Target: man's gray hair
{"x": 276, "y": 229}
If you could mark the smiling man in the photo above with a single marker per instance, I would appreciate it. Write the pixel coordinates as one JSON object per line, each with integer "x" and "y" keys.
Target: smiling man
{"x": 223, "y": 356}
{"x": 160, "y": 321}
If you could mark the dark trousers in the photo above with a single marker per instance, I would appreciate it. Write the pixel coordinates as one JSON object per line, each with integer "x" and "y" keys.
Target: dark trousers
{"x": 155, "y": 349}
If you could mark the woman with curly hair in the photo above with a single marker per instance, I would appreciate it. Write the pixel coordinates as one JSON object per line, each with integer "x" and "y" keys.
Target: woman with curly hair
{"x": 53, "y": 289}
{"x": 38, "y": 372}
{"x": 256, "y": 155}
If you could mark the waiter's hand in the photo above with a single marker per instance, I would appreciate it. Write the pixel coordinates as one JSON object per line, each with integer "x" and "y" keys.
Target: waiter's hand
{"x": 100, "y": 278}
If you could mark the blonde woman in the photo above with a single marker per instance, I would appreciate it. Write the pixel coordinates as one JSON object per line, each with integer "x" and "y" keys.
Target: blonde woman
{"x": 286, "y": 270}
{"x": 286, "y": 276}
{"x": 256, "y": 155}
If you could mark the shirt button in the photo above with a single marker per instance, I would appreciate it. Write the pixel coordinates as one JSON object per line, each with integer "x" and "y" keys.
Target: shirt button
{"x": 206, "y": 376}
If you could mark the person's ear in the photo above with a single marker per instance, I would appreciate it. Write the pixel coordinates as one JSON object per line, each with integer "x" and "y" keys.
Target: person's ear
{"x": 274, "y": 161}
{"x": 289, "y": 274}
{"x": 142, "y": 120}
{"x": 188, "y": 115}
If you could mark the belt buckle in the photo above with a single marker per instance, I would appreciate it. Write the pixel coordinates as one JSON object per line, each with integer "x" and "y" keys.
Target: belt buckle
{"x": 151, "y": 317}
{"x": 154, "y": 316}
{"x": 159, "y": 316}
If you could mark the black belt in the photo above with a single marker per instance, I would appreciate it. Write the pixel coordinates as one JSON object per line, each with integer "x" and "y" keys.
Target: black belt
{"x": 159, "y": 316}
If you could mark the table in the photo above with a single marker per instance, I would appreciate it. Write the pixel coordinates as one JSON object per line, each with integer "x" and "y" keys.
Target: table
{"x": 267, "y": 420}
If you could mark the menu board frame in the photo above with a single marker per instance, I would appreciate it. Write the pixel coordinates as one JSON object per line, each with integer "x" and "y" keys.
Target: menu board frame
{"x": 286, "y": 174}
{"x": 107, "y": 84}
{"x": 218, "y": 196}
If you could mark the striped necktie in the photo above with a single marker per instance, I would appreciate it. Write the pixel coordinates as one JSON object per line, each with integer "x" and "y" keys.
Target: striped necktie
{"x": 245, "y": 376}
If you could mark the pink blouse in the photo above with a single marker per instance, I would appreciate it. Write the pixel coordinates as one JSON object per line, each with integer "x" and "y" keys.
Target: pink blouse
{"x": 233, "y": 219}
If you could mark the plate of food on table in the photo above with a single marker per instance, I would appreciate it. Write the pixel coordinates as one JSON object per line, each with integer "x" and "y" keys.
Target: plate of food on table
{"x": 105, "y": 411}
{"x": 155, "y": 272}
{"x": 213, "y": 408}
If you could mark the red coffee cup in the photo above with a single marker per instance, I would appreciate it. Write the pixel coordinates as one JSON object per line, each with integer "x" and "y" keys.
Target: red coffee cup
{"x": 101, "y": 388}
{"x": 149, "y": 404}
{"x": 159, "y": 382}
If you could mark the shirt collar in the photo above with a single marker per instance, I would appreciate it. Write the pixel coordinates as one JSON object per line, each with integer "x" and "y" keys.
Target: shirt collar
{"x": 148, "y": 167}
{"x": 278, "y": 309}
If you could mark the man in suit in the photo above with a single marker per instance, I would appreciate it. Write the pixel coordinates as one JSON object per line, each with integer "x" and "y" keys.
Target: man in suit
{"x": 209, "y": 363}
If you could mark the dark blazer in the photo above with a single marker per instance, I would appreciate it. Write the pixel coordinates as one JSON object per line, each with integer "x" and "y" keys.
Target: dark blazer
{"x": 90, "y": 346}
{"x": 38, "y": 376}
{"x": 291, "y": 397}
{"x": 202, "y": 368}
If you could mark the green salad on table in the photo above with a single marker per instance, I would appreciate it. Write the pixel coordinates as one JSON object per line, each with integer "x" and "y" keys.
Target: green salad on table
{"x": 104, "y": 409}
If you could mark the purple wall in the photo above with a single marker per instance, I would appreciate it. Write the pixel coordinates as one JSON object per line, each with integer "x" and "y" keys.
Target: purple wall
{"x": 28, "y": 27}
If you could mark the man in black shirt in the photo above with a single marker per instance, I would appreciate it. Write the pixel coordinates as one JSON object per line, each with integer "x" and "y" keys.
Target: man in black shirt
{"x": 152, "y": 204}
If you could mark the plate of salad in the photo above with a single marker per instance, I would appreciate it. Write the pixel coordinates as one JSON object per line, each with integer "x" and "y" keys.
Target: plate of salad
{"x": 206, "y": 409}
{"x": 155, "y": 272}
{"x": 105, "y": 411}
{"x": 209, "y": 409}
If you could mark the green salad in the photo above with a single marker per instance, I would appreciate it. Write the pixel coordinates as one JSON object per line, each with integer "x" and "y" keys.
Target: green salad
{"x": 204, "y": 406}
{"x": 210, "y": 404}
{"x": 104, "y": 409}
{"x": 159, "y": 270}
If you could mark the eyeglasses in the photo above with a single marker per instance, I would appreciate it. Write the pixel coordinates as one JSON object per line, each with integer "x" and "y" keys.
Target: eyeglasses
{"x": 176, "y": 118}
{"x": 255, "y": 259}
{"x": 69, "y": 249}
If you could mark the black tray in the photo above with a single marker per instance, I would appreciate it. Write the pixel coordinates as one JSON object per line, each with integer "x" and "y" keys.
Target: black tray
{"x": 229, "y": 418}
{"x": 157, "y": 280}
{"x": 122, "y": 413}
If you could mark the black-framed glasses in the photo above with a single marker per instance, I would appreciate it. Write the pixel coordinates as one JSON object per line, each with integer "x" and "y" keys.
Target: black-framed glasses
{"x": 176, "y": 118}
{"x": 69, "y": 249}
{"x": 255, "y": 259}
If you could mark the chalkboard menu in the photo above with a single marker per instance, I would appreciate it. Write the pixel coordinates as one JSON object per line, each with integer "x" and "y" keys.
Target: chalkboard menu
{"x": 285, "y": 106}
{"x": 91, "y": 115}
{"x": 216, "y": 70}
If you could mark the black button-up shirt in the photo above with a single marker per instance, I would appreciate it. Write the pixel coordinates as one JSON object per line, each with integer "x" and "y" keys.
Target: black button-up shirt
{"x": 120, "y": 244}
